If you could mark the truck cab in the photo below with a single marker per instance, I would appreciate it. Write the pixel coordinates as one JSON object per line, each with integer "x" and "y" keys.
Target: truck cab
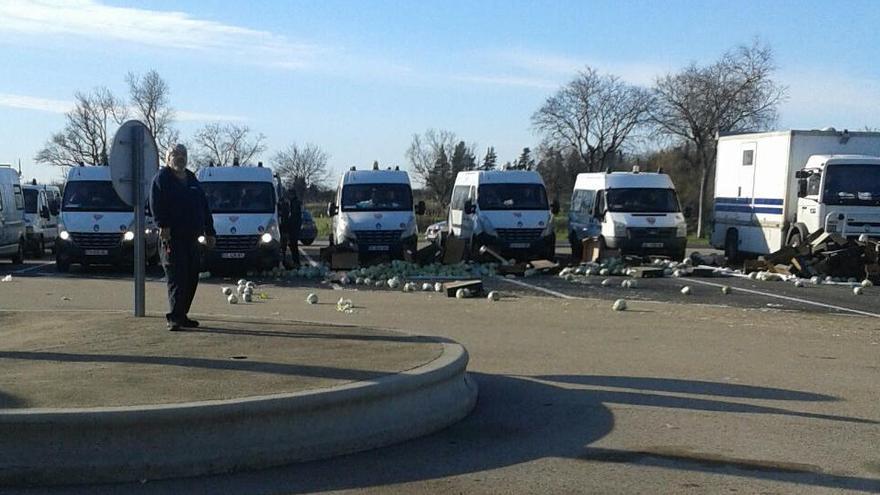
{"x": 840, "y": 194}
{"x": 506, "y": 210}
{"x": 637, "y": 213}
{"x": 41, "y": 210}
{"x": 12, "y": 230}
{"x": 96, "y": 226}
{"x": 374, "y": 214}
{"x": 244, "y": 207}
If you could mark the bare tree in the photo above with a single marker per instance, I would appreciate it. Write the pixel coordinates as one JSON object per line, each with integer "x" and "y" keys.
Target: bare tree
{"x": 87, "y": 130}
{"x": 424, "y": 151}
{"x": 593, "y": 114}
{"x": 226, "y": 144}
{"x": 149, "y": 96}
{"x": 736, "y": 93}
{"x": 306, "y": 165}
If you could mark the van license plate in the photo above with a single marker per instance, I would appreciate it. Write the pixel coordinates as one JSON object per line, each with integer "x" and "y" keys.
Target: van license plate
{"x": 96, "y": 252}
{"x": 232, "y": 256}
{"x": 378, "y": 248}
{"x": 652, "y": 244}
{"x": 519, "y": 245}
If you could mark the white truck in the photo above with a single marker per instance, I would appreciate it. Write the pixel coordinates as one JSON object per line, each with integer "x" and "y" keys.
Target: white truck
{"x": 374, "y": 214}
{"x": 506, "y": 210}
{"x": 637, "y": 213}
{"x": 776, "y": 188}
{"x": 96, "y": 227}
{"x": 244, "y": 206}
{"x": 12, "y": 231}
{"x": 41, "y": 210}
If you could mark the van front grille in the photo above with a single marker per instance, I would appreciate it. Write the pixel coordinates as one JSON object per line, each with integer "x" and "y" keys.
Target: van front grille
{"x": 236, "y": 243}
{"x": 519, "y": 236}
{"x": 378, "y": 237}
{"x": 97, "y": 240}
{"x": 651, "y": 232}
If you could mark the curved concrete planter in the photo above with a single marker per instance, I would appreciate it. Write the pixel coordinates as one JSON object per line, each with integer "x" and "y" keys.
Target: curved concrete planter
{"x": 64, "y": 446}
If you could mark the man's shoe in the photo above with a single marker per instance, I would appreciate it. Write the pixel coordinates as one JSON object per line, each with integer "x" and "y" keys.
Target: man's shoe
{"x": 188, "y": 323}
{"x": 174, "y": 326}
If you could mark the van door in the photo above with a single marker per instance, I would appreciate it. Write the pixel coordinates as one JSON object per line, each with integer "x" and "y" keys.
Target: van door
{"x": 456, "y": 210}
{"x": 746, "y": 186}
{"x": 582, "y": 222}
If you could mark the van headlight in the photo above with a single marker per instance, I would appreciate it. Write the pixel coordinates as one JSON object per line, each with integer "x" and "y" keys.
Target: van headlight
{"x": 64, "y": 235}
{"x": 128, "y": 235}
{"x": 619, "y": 229}
{"x": 201, "y": 239}
{"x": 682, "y": 230}
{"x": 548, "y": 229}
{"x": 266, "y": 238}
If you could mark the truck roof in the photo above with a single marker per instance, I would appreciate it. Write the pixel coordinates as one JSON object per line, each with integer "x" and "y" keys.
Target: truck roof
{"x": 474, "y": 177}
{"x": 234, "y": 174}
{"x": 617, "y": 180}
{"x": 819, "y": 161}
{"x": 792, "y": 132}
{"x": 89, "y": 173}
{"x": 375, "y": 177}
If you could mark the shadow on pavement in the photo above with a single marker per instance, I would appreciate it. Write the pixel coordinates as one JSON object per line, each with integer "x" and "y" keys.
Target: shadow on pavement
{"x": 9, "y": 401}
{"x": 413, "y": 339}
{"x": 519, "y": 420}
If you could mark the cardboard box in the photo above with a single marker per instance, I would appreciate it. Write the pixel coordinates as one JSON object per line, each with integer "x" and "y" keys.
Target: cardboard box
{"x": 453, "y": 250}
{"x": 344, "y": 260}
{"x": 475, "y": 286}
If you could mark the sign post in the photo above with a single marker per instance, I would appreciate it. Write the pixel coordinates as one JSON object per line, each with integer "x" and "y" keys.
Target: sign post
{"x": 134, "y": 160}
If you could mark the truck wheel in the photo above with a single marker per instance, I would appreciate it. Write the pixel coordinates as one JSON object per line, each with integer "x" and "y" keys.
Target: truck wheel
{"x": 18, "y": 257}
{"x": 795, "y": 239}
{"x": 731, "y": 246}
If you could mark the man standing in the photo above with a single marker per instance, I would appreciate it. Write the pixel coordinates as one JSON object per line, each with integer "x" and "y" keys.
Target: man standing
{"x": 181, "y": 211}
{"x": 290, "y": 219}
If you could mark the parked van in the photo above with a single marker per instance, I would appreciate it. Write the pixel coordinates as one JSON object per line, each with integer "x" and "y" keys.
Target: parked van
{"x": 41, "y": 210}
{"x": 374, "y": 214}
{"x": 12, "y": 241}
{"x": 506, "y": 210}
{"x": 97, "y": 226}
{"x": 777, "y": 188}
{"x": 637, "y": 213}
{"x": 244, "y": 206}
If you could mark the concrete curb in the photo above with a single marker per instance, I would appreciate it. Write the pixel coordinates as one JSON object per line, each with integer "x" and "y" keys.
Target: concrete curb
{"x": 114, "y": 444}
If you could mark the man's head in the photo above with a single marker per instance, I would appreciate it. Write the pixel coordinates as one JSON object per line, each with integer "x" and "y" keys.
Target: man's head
{"x": 176, "y": 157}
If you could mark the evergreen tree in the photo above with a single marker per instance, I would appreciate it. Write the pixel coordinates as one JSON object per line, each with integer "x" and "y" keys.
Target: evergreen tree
{"x": 490, "y": 159}
{"x": 462, "y": 159}
{"x": 440, "y": 179}
{"x": 525, "y": 160}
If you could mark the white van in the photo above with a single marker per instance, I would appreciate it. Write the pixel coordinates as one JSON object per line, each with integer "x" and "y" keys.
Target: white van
{"x": 506, "y": 210}
{"x": 41, "y": 210}
{"x": 244, "y": 206}
{"x": 96, "y": 226}
{"x": 373, "y": 213}
{"x": 12, "y": 242}
{"x": 637, "y": 213}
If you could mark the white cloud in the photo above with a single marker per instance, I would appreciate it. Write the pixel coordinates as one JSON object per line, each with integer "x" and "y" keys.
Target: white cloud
{"x": 63, "y": 106}
{"x": 529, "y": 82}
{"x": 547, "y": 63}
{"x": 171, "y": 30}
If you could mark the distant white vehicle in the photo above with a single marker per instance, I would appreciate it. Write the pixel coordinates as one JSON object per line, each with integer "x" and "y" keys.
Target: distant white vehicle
{"x": 244, "y": 207}
{"x": 97, "y": 226}
{"x": 506, "y": 210}
{"x": 12, "y": 229}
{"x": 41, "y": 210}
{"x": 637, "y": 213}
{"x": 434, "y": 232}
{"x": 776, "y": 188}
{"x": 374, "y": 213}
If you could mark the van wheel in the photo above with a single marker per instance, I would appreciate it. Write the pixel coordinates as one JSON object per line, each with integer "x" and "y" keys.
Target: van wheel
{"x": 731, "y": 246}
{"x": 18, "y": 257}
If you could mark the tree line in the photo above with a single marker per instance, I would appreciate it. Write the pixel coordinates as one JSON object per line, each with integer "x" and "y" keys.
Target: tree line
{"x": 595, "y": 122}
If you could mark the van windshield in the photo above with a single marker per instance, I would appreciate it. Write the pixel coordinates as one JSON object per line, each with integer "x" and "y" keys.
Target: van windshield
{"x": 377, "y": 197}
{"x": 92, "y": 195}
{"x": 512, "y": 197}
{"x": 852, "y": 184}
{"x": 240, "y": 197}
{"x": 643, "y": 200}
{"x": 30, "y": 200}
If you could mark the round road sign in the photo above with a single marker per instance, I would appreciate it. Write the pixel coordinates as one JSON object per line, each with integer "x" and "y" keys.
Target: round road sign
{"x": 132, "y": 134}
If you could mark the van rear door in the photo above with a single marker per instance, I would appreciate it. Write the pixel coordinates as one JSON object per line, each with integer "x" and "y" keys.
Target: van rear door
{"x": 461, "y": 224}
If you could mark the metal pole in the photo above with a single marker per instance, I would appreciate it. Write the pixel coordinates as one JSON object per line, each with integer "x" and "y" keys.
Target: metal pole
{"x": 137, "y": 164}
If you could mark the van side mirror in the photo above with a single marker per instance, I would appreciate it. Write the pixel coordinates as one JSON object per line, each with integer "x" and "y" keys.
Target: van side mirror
{"x": 54, "y": 207}
{"x": 332, "y": 209}
{"x": 44, "y": 212}
{"x": 554, "y": 207}
{"x": 469, "y": 207}
{"x": 688, "y": 212}
{"x": 801, "y": 174}
{"x": 420, "y": 208}
{"x": 802, "y": 188}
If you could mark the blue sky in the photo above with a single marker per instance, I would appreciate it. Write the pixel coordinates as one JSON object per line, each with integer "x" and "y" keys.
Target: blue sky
{"x": 359, "y": 78}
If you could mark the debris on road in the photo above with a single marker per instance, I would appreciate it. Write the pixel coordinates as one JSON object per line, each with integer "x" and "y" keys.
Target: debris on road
{"x": 826, "y": 255}
{"x": 686, "y": 290}
{"x": 493, "y": 296}
{"x": 312, "y": 298}
{"x": 619, "y": 305}
{"x": 344, "y": 306}
{"x": 232, "y": 299}
{"x": 7, "y": 278}
{"x": 725, "y": 290}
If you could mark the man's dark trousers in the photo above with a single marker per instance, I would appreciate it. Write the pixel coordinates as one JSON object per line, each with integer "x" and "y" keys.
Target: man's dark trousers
{"x": 180, "y": 259}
